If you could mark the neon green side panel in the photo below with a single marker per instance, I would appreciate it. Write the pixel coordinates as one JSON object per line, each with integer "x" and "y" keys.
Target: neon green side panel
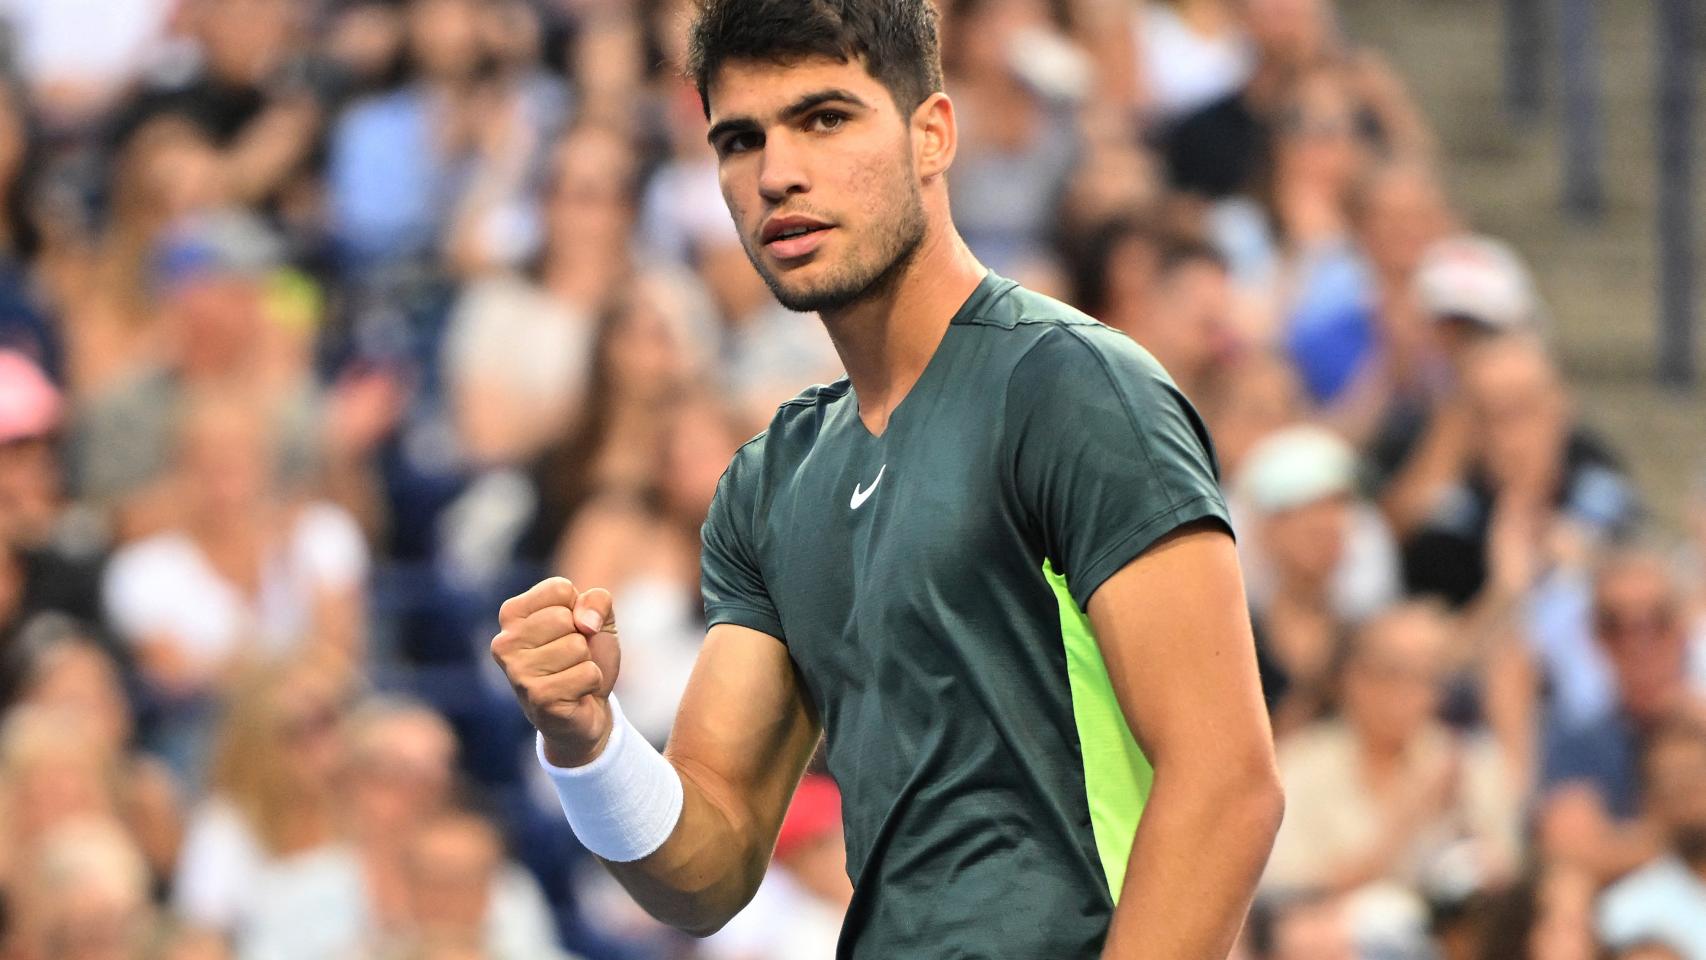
{"x": 1117, "y": 776}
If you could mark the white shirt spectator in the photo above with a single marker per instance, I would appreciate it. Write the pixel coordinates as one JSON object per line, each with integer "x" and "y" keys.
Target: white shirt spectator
{"x": 783, "y": 922}
{"x": 221, "y": 863}
{"x": 1663, "y": 901}
{"x": 97, "y": 46}
{"x": 315, "y": 906}
{"x": 522, "y": 357}
{"x": 1184, "y": 69}
{"x": 164, "y": 587}
{"x": 1331, "y": 818}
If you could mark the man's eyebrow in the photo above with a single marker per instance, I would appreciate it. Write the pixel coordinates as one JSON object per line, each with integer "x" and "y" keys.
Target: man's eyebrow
{"x": 803, "y": 105}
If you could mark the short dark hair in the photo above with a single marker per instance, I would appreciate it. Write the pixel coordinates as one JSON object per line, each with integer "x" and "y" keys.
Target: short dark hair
{"x": 896, "y": 38}
{"x": 1183, "y": 250}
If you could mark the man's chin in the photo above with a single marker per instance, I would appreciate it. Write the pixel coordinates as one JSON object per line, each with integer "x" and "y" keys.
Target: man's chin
{"x": 808, "y": 294}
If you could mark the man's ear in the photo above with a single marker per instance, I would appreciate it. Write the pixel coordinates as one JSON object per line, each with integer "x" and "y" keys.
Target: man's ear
{"x": 935, "y": 136}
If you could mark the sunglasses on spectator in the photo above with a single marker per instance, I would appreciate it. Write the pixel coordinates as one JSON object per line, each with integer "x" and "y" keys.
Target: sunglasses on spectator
{"x": 1614, "y": 623}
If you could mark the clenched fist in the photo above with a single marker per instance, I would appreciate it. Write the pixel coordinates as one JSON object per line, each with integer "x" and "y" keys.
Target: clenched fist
{"x": 558, "y": 648}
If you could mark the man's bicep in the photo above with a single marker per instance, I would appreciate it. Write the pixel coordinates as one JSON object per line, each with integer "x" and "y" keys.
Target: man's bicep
{"x": 1175, "y": 634}
{"x": 746, "y": 729}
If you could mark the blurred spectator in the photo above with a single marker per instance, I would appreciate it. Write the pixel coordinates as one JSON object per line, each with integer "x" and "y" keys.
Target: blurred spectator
{"x": 1186, "y": 322}
{"x": 85, "y": 897}
{"x": 79, "y": 56}
{"x": 245, "y": 573}
{"x": 1016, "y": 81}
{"x": 1317, "y": 562}
{"x": 460, "y": 890}
{"x": 797, "y": 912}
{"x": 1325, "y": 291}
{"x": 1114, "y": 270}
{"x": 400, "y": 161}
{"x": 1399, "y": 212}
{"x": 52, "y": 771}
{"x": 1548, "y": 916}
{"x": 231, "y": 321}
{"x": 1465, "y": 290}
{"x": 71, "y": 675}
{"x": 1591, "y": 770}
{"x": 1386, "y": 791}
{"x": 647, "y": 351}
{"x": 1252, "y": 394}
{"x": 48, "y": 560}
{"x": 1294, "y": 37}
{"x": 270, "y": 792}
{"x": 247, "y": 93}
{"x": 1664, "y": 903}
{"x": 405, "y": 863}
{"x": 1194, "y": 53}
{"x": 25, "y": 324}
{"x": 517, "y": 351}
{"x": 1528, "y": 465}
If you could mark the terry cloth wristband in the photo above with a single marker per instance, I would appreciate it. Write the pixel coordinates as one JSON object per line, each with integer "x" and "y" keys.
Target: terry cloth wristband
{"x": 625, "y": 803}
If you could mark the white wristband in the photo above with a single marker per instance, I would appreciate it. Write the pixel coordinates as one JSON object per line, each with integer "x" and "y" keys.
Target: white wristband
{"x": 625, "y": 803}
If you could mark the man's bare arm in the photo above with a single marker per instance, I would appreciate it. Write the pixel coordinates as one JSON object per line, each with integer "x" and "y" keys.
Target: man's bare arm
{"x": 1175, "y": 634}
{"x": 741, "y": 740}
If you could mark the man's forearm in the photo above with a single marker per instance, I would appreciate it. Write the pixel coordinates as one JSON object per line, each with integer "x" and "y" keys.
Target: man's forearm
{"x": 1199, "y": 850}
{"x": 705, "y": 872}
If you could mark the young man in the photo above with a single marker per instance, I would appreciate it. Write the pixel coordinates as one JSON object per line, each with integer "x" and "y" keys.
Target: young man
{"x": 992, "y": 564}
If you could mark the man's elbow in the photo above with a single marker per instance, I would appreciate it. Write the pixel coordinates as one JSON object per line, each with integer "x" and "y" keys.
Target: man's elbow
{"x": 1258, "y": 793}
{"x": 1244, "y": 790}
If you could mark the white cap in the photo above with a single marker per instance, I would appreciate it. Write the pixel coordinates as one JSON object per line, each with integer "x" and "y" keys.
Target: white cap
{"x": 1479, "y": 278}
{"x": 1296, "y": 466}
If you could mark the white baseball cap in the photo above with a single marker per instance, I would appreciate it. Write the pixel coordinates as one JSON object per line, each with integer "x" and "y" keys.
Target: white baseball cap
{"x": 1477, "y": 278}
{"x": 1296, "y": 466}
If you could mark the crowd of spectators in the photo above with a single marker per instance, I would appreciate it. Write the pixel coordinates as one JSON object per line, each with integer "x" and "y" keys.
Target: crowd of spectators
{"x": 327, "y": 324}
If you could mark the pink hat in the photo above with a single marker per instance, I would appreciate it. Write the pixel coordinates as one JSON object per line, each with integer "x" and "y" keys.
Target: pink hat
{"x": 29, "y": 403}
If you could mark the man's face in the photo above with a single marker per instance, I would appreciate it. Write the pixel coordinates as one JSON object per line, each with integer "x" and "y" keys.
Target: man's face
{"x": 816, "y": 166}
{"x": 1638, "y": 622}
{"x": 1394, "y": 678}
{"x": 1524, "y": 414}
{"x": 1195, "y": 312}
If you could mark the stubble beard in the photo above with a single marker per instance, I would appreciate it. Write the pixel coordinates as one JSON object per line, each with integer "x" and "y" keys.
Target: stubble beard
{"x": 858, "y": 278}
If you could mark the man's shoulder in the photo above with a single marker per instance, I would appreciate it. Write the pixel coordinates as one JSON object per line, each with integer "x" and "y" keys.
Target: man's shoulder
{"x": 792, "y": 429}
{"x": 1042, "y": 337}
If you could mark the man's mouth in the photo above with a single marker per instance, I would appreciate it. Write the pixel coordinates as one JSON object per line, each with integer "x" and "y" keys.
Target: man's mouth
{"x": 789, "y": 238}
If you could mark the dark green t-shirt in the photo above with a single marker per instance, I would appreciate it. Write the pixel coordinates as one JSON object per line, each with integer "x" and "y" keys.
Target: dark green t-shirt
{"x": 930, "y": 585}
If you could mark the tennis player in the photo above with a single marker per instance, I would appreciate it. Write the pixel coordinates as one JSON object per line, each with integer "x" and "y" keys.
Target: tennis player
{"x": 992, "y": 565}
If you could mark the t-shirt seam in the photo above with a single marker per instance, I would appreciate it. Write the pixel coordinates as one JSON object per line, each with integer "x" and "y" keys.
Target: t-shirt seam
{"x": 1008, "y": 454}
{"x": 1143, "y": 528}
{"x": 1126, "y": 405}
{"x": 714, "y": 609}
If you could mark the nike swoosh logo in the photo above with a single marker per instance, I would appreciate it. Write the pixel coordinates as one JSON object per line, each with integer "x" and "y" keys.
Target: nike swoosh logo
{"x": 860, "y": 496}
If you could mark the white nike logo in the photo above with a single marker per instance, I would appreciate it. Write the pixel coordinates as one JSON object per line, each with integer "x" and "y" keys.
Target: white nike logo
{"x": 860, "y": 496}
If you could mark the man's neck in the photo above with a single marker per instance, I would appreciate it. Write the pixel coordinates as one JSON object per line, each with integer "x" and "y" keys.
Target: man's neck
{"x": 886, "y": 341}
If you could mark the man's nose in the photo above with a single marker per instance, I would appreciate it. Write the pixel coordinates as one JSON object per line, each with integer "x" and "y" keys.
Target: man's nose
{"x": 782, "y": 168}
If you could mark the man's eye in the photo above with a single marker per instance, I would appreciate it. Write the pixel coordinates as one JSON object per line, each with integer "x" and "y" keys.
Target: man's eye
{"x": 739, "y": 143}
{"x": 827, "y": 120}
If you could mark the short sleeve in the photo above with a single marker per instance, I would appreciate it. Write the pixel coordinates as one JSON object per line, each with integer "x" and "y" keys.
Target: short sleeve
{"x": 731, "y": 580}
{"x": 1107, "y": 455}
